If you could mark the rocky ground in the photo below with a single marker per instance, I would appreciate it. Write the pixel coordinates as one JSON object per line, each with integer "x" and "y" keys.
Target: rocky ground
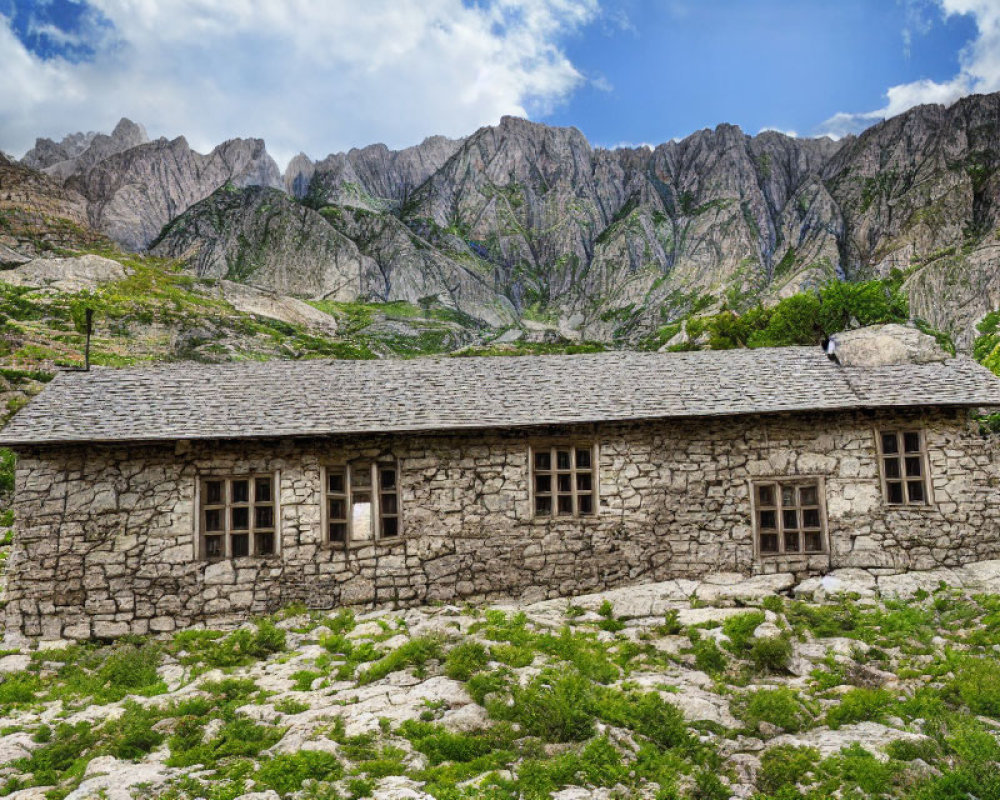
{"x": 855, "y": 685}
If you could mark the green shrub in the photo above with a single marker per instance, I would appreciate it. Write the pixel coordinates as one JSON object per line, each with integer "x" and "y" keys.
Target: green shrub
{"x": 64, "y": 756}
{"x": 708, "y": 657}
{"x": 739, "y": 630}
{"x": 8, "y": 462}
{"x": 555, "y": 706}
{"x": 440, "y": 745}
{"x": 239, "y": 648}
{"x": 20, "y": 688}
{"x": 781, "y": 707}
{"x": 463, "y": 661}
{"x": 131, "y": 736}
{"x": 130, "y": 670}
{"x": 910, "y": 749}
{"x": 977, "y": 683}
{"x": 512, "y": 655}
{"x": 784, "y": 766}
{"x": 708, "y": 786}
{"x": 414, "y": 653}
{"x": 598, "y": 764}
{"x": 859, "y": 705}
{"x": 286, "y": 773}
{"x": 648, "y": 714}
{"x": 771, "y": 654}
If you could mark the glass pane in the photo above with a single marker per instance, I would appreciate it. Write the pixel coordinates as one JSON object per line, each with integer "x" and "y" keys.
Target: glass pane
{"x": 240, "y": 518}
{"x": 388, "y": 503}
{"x": 338, "y": 531}
{"x": 584, "y": 482}
{"x": 911, "y": 442}
{"x": 890, "y": 443}
{"x": 361, "y": 475}
{"x": 891, "y": 467}
{"x": 213, "y": 492}
{"x": 791, "y": 542}
{"x": 361, "y": 517}
{"x": 813, "y": 542}
{"x": 565, "y": 483}
{"x": 543, "y": 505}
{"x": 768, "y": 519}
{"x": 810, "y": 518}
{"x": 765, "y": 495}
{"x": 264, "y": 543}
{"x": 543, "y": 460}
{"x": 388, "y": 478}
{"x": 241, "y": 491}
{"x": 241, "y": 545}
{"x": 565, "y": 505}
{"x": 263, "y": 517}
{"x": 563, "y": 459}
{"x": 213, "y": 519}
{"x": 586, "y": 502}
{"x": 582, "y": 458}
{"x": 915, "y": 491}
{"x": 337, "y": 509}
{"x": 390, "y": 527}
{"x": 788, "y": 496}
{"x": 335, "y": 482}
{"x": 808, "y": 496}
{"x": 895, "y": 491}
{"x": 262, "y": 490}
{"x": 213, "y": 547}
{"x": 543, "y": 483}
{"x": 769, "y": 543}
{"x": 913, "y": 467}
{"x": 790, "y": 518}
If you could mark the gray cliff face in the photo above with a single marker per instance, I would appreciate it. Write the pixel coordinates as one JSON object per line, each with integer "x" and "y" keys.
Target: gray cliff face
{"x": 133, "y": 194}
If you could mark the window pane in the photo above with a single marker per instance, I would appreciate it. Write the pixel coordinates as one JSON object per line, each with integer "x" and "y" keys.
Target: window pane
{"x": 895, "y": 491}
{"x": 262, "y": 490}
{"x": 388, "y": 478}
{"x": 915, "y": 491}
{"x": 586, "y": 503}
{"x": 582, "y": 458}
{"x": 240, "y": 518}
{"x": 361, "y": 475}
{"x": 892, "y": 467}
{"x": 543, "y": 483}
{"x": 790, "y": 518}
{"x": 791, "y": 541}
{"x": 813, "y": 542}
{"x": 563, "y": 459}
{"x": 765, "y": 495}
{"x": 769, "y": 543}
{"x": 213, "y": 547}
{"x": 263, "y": 517}
{"x": 787, "y": 496}
{"x": 768, "y": 519}
{"x": 213, "y": 492}
{"x": 337, "y": 509}
{"x": 241, "y": 545}
{"x": 390, "y": 527}
{"x": 241, "y": 491}
{"x": 808, "y": 496}
{"x": 338, "y": 531}
{"x": 810, "y": 518}
{"x": 335, "y": 482}
{"x": 584, "y": 482}
{"x": 890, "y": 443}
{"x": 543, "y": 460}
{"x": 565, "y": 483}
{"x": 565, "y": 505}
{"x": 213, "y": 519}
{"x": 264, "y": 543}
{"x": 911, "y": 441}
{"x": 361, "y": 517}
{"x": 389, "y": 505}
{"x": 543, "y": 505}
{"x": 913, "y": 466}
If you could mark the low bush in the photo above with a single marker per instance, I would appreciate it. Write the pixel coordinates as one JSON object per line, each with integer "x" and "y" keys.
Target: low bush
{"x": 771, "y": 654}
{"x": 414, "y": 653}
{"x": 463, "y": 661}
{"x": 782, "y": 707}
{"x": 708, "y": 657}
{"x": 977, "y": 684}
{"x": 739, "y": 630}
{"x": 286, "y": 773}
{"x": 785, "y": 766}
{"x": 859, "y": 705}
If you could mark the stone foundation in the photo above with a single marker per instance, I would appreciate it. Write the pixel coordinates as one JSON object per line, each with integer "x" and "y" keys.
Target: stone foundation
{"x": 105, "y": 536}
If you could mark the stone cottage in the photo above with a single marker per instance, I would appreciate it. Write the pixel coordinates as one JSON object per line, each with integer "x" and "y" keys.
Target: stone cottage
{"x": 153, "y": 498}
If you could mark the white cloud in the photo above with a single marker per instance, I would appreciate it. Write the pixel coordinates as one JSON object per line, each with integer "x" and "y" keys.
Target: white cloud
{"x": 979, "y": 72}
{"x": 319, "y": 75}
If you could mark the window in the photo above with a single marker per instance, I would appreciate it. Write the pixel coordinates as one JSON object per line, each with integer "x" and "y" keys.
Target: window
{"x": 903, "y": 459}
{"x": 362, "y": 503}
{"x": 238, "y": 517}
{"x": 789, "y": 517}
{"x": 564, "y": 480}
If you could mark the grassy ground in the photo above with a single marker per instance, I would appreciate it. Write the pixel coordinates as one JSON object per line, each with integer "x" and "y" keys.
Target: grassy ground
{"x": 883, "y": 699}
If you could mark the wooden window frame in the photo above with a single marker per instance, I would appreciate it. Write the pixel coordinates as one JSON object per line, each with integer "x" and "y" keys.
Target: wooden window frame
{"x": 575, "y": 493}
{"x": 779, "y": 482}
{"x": 226, "y": 506}
{"x": 378, "y": 515}
{"x": 900, "y": 457}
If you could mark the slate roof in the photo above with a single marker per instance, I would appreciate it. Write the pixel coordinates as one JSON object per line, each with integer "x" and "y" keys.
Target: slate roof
{"x": 316, "y": 398}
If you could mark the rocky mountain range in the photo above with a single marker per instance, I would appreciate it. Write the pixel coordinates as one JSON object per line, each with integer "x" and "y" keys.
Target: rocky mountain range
{"x": 525, "y": 223}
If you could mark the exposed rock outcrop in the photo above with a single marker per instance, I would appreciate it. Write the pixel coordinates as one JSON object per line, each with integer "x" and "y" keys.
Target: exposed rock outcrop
{"x": 884, "y": 345}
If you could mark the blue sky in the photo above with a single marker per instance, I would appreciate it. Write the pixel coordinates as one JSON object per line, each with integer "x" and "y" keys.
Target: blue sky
{"x": 321, "y": 76}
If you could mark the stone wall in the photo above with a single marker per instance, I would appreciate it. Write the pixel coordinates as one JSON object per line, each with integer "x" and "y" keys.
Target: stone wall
{"x": 105, "y": 536}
